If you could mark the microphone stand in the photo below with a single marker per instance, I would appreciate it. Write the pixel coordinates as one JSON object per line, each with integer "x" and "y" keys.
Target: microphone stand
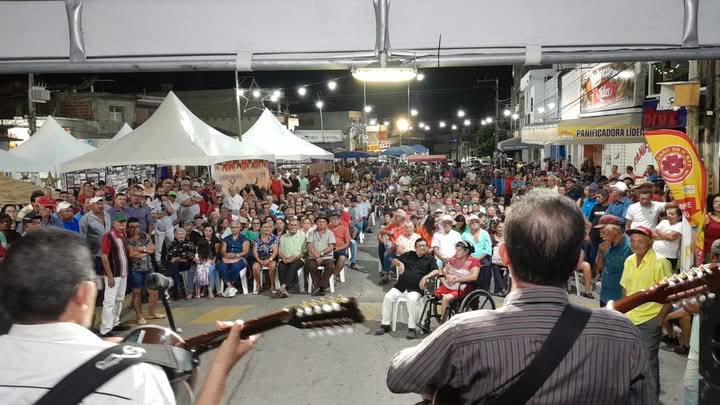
{"x": 165, "y": 298}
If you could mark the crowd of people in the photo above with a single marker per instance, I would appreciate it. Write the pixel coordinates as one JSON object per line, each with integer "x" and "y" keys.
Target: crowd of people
{"x": 430, "y": 220}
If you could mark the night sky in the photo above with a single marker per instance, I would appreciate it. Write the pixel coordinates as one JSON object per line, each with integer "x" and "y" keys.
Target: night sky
{"x": 437, "y": 97}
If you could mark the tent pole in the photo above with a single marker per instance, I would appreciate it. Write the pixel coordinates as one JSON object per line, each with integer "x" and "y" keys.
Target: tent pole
{"x": 237, "y": 105}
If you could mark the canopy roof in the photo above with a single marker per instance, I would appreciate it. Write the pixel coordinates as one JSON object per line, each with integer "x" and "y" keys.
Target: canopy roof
{"x": 124, "y": 130}
{"x": 9, "y": 162}
{"x": 420, "y": 149}
{"x": 173, "y": 135}
{"x": 50, "y": 146}
{"x": 512, "y": 144}
{"x": 269, "y": 134}
{"x": 352, "y": 155}
{"x": 398, "y": 151}
{"x": 427, "y": 158}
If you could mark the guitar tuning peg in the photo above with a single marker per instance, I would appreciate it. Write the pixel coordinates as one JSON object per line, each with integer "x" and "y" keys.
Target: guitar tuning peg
{"x": 711, "y": 296}
{"x": 702, "y": 298}
{"x": 671, "y": 281}
{"x": 317, "y": 309}
{"x": 693, "y": 301}
{"x": 299, "y": 312}
{"x": 684, "y": 302}
{"x": 308, "y": 311}
{"x": 327, "y": 308}
{"x": 336, "y": 307}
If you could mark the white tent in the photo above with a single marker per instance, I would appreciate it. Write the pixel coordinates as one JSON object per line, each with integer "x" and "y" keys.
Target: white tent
{"x": 173, "y": 135}
{"x": 9, "y": 162}
{"x": 124, "y": 130}
{"x": 50, "y": 146}
{"x": 269, "y": 134}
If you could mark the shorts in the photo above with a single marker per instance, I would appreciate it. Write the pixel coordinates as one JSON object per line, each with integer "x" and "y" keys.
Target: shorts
{"x": 342, "y": 252}
{"x": 443, "y": 290}
{"x": 136, "y": 279}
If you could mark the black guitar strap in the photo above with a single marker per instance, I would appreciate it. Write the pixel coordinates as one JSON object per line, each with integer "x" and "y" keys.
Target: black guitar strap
{"x": 92, "y": 374}
{"x": 561, "y": 339}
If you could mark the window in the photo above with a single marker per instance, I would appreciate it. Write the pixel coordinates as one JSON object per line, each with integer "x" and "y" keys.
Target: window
{"x": 668, "y": 71}
{"x": 117, "y": 113}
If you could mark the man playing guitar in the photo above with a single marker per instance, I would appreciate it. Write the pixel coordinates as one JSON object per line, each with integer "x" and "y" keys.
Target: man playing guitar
{"x": 480, "y": 356}
{"x": 47, "y": 287}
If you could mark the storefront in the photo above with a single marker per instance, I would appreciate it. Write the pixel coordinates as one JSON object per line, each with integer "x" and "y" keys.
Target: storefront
{"x": 540, "y": 140}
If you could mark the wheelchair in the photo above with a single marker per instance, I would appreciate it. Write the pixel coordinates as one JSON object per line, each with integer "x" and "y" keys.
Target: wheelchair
{"x": 476, "y": 299}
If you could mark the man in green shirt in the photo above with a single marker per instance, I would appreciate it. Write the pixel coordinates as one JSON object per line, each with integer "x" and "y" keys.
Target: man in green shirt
{"x": 292, "y": 248}
{"x": 304, "y": 182}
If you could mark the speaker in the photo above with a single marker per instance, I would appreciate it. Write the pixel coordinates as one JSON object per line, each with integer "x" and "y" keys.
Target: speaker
{"x": 710, "y": 353}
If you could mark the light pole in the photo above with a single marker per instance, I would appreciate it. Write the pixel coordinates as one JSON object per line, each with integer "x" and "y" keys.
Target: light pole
{"x": 402, "y": 125}
{"x": 319, "y": 104}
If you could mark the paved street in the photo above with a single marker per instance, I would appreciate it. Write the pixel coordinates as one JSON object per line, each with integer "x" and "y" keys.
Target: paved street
{"x": 288, "y": 367}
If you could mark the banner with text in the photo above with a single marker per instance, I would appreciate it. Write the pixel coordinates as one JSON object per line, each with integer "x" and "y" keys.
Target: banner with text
{"x": 618, "y": 128}
{"x": 239, "y": 173}
{"x": 684, "y": 173}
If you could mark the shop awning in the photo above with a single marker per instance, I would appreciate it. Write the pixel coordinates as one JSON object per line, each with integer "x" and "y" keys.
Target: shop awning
{"x": 605, "y": 129}
{"x": 539, "y": 134}
{"x": 512, "y": 145}
{"x": 427, "y": 158}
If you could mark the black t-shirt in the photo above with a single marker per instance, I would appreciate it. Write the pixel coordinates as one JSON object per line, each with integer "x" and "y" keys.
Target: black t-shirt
{"x": 295, "y": 185}
{"x": 416, "y": 268}
{"x": 597, "y": 212}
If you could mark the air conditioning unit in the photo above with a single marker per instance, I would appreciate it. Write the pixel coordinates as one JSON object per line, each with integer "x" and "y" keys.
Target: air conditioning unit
{"x": 40, "y": 94}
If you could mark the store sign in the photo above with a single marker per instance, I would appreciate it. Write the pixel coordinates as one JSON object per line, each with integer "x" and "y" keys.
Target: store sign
{"x": 373, "y": 147}
{"x": 539, "y": 134}
{"x": 619, "y": 128}
{"x": 663, "y": 119}
{"x": 609, "y": 86}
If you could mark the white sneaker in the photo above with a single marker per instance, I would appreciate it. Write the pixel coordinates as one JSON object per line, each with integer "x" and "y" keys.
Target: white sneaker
{"x": 232, "y": 292}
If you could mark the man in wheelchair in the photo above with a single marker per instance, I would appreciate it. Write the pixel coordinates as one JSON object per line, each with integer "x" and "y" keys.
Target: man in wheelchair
{"x": 459, "y": 276}
{"x": 413, "y": 266}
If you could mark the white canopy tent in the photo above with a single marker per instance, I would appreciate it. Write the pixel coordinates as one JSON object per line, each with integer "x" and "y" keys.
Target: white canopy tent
{"x": 50, "y": 146}
{"x": 124, "y": 130}
{"x": 9, "y": 162}
{"x": 269, "y": 134}
{"x": 173, "y": 135}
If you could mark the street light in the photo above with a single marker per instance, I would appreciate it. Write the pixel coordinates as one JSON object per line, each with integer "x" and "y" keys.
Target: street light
{"x": 402, "y": 124}
{"x": 368, "y": 108}
{"x": 483, "y": 122}
{"x": 332, "y": 85}
{"x": 302, "y": 91}
{"x": 421, "y": 125}
{"x": 373, "y": 121}
{"x": 386, "y": 123}
{"x": 466, "y": 123}
{"x": 454, "y": 127}
{"x": 507, "y": 112}
{"x": 442, "y": 124}
{"x": 256, "y": 93}
{"x": 515, "y": 116}
{"x": 319, "y": 104}
{"x": 489, "y": 120}
{"x": 420, "y": 77}
{"x": 461, "y": 113}
{"x": 413, "y": 112}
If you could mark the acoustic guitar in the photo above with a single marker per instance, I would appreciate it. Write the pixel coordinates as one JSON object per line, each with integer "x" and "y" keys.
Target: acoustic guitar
{"x": 323, "y": 316}
{"x": 696, "y": 285}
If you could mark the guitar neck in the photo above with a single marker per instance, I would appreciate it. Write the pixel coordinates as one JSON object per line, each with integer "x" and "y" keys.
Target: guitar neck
{"x": 631, "y": 302}
{"x": 211, "y": 340}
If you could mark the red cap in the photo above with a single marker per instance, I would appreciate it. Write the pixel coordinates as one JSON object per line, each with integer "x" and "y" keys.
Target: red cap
{"x": 608, "y": 219}
{"x": 642, "y": 230}
{"x": 46, "y": 201}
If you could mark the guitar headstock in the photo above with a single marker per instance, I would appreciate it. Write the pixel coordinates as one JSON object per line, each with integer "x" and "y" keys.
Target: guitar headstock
{"x": 325, "y": 313}
{"x": 697, "y": 284}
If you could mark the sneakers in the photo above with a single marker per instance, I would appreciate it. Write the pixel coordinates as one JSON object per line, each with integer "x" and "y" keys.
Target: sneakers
{"x": 383, "y": 330}
{"x": 412, "y": 334}
{"x": 354, "y": 266}
{"x": 232, "y": 292}
{"x": 318, "y": 292}
{"x": 141, "y": 321}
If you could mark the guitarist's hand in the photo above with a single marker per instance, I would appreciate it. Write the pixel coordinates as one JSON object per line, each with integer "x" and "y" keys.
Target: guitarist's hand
{"x": 233, "y": 348}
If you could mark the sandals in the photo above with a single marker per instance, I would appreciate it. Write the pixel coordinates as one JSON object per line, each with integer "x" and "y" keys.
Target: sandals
{"x": 157, "y": 316}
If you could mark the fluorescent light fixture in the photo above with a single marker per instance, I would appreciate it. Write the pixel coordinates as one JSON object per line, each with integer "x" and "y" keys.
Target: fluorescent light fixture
{"x": 461, "y": 113}
{"x": 489, "y": 120}
{"x": 386, "y": 123}
{"x": 515, "y": 116}
{"x": 384, "y": 74}
{"x": 420, "y": 77}
{"x": 373, "y": 121}
{"x": 454, "y": 127}
{"x": 466, "y": 123}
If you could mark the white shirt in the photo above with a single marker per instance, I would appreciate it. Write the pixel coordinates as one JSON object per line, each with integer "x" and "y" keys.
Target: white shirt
{"x": 446, "y": 242}
{"x": 405, "y": 182}
{"x": 187, "y": 214}
{"x": 668, "y": 249}
{"x": 36, "y": 357}
{"x": 405, "y": 244}
{"x": 645, "y": 216}
{"x": 233, "y": 203}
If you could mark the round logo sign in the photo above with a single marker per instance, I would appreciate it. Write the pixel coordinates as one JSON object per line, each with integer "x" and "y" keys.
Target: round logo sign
{"x": 675, "y": 163}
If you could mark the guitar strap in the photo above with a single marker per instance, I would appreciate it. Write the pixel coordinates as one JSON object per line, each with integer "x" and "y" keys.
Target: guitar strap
{"x": 92, "y": 374}
{"x": 561, "y": 339}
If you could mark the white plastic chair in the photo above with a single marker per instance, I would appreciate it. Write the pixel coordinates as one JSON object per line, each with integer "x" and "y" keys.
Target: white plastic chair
{"x": 332, "y": 279}
{"x": 403, "y": 315}
{"x": 262, "y": 279}
{"x": 300, "y": 276}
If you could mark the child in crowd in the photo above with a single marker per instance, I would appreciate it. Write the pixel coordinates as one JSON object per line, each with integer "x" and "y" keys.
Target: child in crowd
{"x": 204, "y": 264}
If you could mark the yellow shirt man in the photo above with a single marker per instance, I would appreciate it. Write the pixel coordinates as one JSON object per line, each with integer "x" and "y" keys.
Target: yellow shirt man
{"x": 652, "y": 270}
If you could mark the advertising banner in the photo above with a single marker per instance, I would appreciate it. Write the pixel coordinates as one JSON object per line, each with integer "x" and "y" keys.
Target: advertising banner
{"x": 619, "y": 128}
{"x": 239, "y": 173}
{"x": 663, "y": 119}
{"x": 609, "y": 86}
{"x": 684, "y": 173}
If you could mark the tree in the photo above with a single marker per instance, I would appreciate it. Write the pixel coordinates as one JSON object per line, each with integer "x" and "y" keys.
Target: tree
{"x": 484, "y": 140}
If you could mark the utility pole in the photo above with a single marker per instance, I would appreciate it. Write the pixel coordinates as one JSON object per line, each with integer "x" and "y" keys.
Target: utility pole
{"x": 497, "y": 116}
{"x": 237, "y": 105}
{"x": 31, "y": 105}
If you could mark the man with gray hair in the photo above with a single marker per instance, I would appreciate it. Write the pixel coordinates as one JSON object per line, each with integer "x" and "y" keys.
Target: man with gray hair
{"x": 189, "y": 201}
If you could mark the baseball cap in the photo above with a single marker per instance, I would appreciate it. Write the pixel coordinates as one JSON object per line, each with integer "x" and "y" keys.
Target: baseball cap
{"x": 642, "y": 230}
{"x": 119, "y": 217}
{"x": 473, "y": 218}
{"x": 333, "y": 214}
{"x": 46, "y": 201}
{"x": 446, "y": 218}
{"x": 608, "y": 219}
{"x": 172, "y": 193}
{"x": 63, "y": 205}
{"x": 715, "y": 247}
{"x": 439, "y": 211}
{"x": 619, "y": 186}
{"x": 96, "y": 200}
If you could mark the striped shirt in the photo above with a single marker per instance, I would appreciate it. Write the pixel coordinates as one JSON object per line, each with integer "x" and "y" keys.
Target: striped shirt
{"x": 477, "y": 352}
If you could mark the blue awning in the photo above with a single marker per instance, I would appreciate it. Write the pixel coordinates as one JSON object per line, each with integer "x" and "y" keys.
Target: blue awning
{"x": 351, "y": 155}
{"x": 420, "y": 149}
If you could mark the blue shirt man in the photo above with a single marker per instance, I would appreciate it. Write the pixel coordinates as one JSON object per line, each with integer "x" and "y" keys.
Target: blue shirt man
{"x": 611, "y": 257}
{"x": 621, "y": 203}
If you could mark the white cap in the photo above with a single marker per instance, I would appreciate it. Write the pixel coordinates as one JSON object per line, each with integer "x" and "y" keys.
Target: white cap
{"x": 64, "y": 205}
{"x": 446, "y": 218}
{"x": 96, "y": 200}
{"x": 620, "y": 186}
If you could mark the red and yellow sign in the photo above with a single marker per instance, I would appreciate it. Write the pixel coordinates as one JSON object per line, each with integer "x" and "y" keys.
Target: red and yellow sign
{"x": 685, "y": 176}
